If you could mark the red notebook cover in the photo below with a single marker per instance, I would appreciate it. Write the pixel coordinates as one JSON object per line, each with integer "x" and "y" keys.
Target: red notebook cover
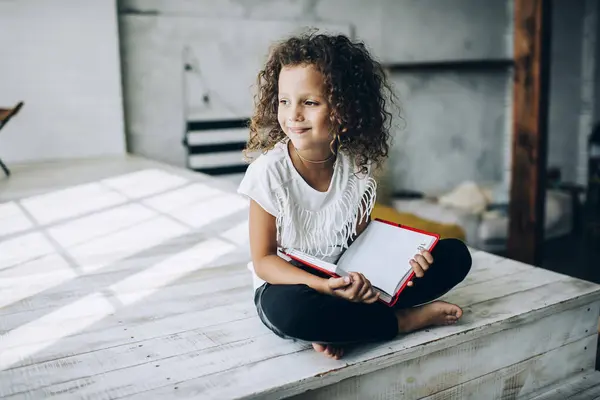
{"x": 410, "y": 276}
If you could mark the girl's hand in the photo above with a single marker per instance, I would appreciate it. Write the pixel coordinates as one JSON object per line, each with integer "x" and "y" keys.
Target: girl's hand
{"x": 359, "y": 290}
{"x": 420, "y": 263}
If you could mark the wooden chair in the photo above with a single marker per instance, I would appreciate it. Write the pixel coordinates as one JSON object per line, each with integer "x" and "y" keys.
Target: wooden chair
{"x": 5, "y": 115}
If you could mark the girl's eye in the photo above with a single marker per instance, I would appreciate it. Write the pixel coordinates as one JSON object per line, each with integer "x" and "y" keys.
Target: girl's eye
{"x": 282, "y": 101}
{"x": 311, "y": 103}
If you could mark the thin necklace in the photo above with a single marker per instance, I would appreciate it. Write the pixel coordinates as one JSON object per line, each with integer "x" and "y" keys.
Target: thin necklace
{"x": 313, "y": 162}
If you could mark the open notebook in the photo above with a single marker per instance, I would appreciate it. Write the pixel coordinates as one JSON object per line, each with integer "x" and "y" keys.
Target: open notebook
{"x": 381, "y": 253}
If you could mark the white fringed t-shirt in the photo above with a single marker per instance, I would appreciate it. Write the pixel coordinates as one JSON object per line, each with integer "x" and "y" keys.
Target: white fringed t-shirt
{"x": 317, "y": 223}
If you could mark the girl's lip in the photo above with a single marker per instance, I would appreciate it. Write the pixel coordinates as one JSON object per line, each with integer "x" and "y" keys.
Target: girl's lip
{"x": 298, "y": 130}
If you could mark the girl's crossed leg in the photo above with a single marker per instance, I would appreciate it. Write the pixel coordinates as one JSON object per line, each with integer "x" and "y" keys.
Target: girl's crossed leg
{"x": 299, "y": 312}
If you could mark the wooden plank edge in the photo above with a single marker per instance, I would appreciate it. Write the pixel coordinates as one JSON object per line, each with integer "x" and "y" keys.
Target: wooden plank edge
{"x": 571, "y": 387}
{"x": 509, "y": 382}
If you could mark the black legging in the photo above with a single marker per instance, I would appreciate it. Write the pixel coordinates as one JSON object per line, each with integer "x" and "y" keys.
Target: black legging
{"x": 299, "y": 312}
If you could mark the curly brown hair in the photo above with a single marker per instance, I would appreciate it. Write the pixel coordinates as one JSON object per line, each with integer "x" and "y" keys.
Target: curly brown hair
{"x": 356, "y": 88}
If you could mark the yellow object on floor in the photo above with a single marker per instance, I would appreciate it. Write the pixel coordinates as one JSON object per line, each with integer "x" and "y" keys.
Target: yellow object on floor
{"x": 392, "y": 215}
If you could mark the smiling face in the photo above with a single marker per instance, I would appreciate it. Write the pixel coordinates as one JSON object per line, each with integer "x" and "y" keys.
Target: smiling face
{"x": 303, "y": 111}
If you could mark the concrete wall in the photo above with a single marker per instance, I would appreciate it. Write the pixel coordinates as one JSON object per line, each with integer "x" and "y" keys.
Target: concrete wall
{"x": 61, "y": 57}
{"x": 456, "y": 130}
{"x": 435, "y": 30}
{"x": 590, "y": 85}
{"x": 467, "y": 109}
{"x": 456, "y": 121}
{"x": 565, "y": 86}
{"x": 597, "y": 68}
{"x": 226, "y": 55}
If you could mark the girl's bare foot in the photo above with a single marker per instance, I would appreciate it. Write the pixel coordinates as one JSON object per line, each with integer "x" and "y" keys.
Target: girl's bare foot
{"x": 329, "y": 350}
{"x": 435, "y": 313}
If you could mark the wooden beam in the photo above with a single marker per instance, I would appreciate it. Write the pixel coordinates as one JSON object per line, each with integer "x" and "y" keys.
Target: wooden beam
{"x": 530, "y": 111}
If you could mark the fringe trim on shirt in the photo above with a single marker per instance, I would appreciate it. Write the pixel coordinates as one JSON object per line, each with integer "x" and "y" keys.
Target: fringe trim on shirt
{"x": 326, "y": 230}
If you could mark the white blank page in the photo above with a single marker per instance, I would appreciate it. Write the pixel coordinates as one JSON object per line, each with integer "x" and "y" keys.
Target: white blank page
{"x": 382, "y": 254}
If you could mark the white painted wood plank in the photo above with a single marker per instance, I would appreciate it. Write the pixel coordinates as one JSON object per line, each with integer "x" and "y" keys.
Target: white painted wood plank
{"x": 581, "y": 391}
{"x": 465, "y": 296}
{"x": 81, "y": 343}
{"x": 17, "y": 289}
{"x": 175, "y": 299}
{"x": 180, "y": 300}
{"x": 480, "y": 275}
{"x": 62, "y": 285}
{"x": 205, "y": 215}
{"x": 418, "y": 372}
{"x": 103, "y": 251}
{"x": 165, "y": 270}
{"x": 85, "y": 312}
{"x": 487, "y": 258}
{"x": 71, "y": 286}
{"x": 479, "y": 320}
{"x": 13, "y": 219}
{"x": 592, "y": 393}
{"x": 92, "y": 238}
{"x": 147, "y": 182}
{"x": 486, "y": 267}
{"x": 160, "y": 309}
{"x": 151, "y": 278}
{"x": 23, "y": 248}
{"x": 100, "y": 224}
{"x": 172, "y": 369}
{"x": 41, "y": 267}
{"x": 205, "y": 254}
{"x": 521, "y": 379}
{"x": 41, "y": 178}
{"x": 482, "y": 271}
{"x": 157, "y": 303}
{"x": 90, "y": 197}
{"x": 31, "y": 377}
{"x": 178, "y": 307}
{"x": 210, "y": 160}
{"x": 212, "y": 136}
{"x": 450, "y": 367}
{"x": 193, "y": 193}
{"x": 26, "y": 345}
{"x": 309, "y": 371}
{"x": 97, "y": 355}
{"x": 235, "y": 179}
{"x": 569, "y": 388}
{"x": 96, "y": 254}
{"x": 49, "y": 294}
{"x": 47, "y": 265}
{"x": 95, "y": 223}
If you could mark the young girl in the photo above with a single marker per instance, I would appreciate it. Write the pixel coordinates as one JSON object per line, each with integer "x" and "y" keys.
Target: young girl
{"x": 321, "y": 126}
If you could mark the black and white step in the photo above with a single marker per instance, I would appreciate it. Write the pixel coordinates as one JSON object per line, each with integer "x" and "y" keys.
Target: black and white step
{"x": 215, "y": 147}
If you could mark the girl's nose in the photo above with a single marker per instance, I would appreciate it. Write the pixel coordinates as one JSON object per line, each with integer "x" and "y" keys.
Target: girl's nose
{"x": 296, "y": 114}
